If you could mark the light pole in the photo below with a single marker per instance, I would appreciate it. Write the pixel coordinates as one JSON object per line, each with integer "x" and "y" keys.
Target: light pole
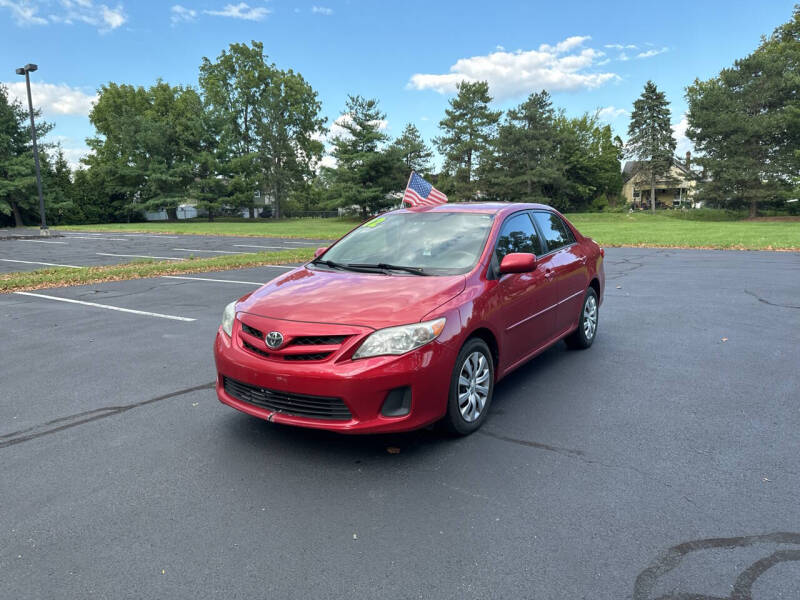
{"x": 27, "y": 70}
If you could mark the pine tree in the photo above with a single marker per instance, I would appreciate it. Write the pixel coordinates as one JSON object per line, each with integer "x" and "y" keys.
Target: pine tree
{"x": 366, "y": 172}
{"x": 525, "y": 166}
{"x": 650, "y": 138}
{"x": 746, "y": 124}
{"x": 415, "y": 152}
{"x": 467, "y": 131}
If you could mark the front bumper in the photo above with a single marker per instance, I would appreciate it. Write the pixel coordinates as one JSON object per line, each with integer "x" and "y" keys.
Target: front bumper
{"x": 362, "y": 385}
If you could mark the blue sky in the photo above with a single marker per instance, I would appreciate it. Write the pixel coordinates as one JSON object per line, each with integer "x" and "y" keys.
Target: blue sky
{"x": 589, "y": 55}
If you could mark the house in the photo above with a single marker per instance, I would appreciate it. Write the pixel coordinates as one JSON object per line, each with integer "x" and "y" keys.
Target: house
{"x": 675, "y": 189}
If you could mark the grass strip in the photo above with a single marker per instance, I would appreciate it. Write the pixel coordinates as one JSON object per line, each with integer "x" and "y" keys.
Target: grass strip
{"x": 62, "y": 277}
{"x": 324, "y": 229}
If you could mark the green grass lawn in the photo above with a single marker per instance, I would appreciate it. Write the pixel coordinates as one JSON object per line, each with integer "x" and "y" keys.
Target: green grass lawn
{"x": 666, "y": 230}
{"x": 327, "y": 229}
{"x": 610, "y": 229}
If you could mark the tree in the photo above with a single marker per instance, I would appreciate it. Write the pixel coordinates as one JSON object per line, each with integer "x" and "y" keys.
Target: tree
{"x": 745, "y": 123}
{"x": 366, "y": 172}
{"x": 590, "y": 159}
{"x": 268, "y": 123}
{"x": 18, "y": 194}
{"x": 467, "y": 130}
{"x": 525, "y": 166}
{"x": 650, "y": 138}
{"x": 416, "y": 154}
{"x": 58, "y": 192}
{"x": 148, "y": 143}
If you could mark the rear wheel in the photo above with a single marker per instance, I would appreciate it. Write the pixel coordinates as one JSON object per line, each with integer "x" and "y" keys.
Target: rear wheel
{"x": 471, "y": 388}
{"x": 584, "y": 335}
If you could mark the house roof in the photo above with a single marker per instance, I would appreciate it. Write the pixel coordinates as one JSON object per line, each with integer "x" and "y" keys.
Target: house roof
{"x": 631, "y": 167}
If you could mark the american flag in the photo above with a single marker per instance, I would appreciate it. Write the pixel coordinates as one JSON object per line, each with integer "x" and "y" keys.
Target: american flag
{"x": 421, "y": 193}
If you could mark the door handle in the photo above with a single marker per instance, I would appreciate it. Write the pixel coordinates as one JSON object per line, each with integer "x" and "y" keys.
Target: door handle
{"x": 548, "y": 273}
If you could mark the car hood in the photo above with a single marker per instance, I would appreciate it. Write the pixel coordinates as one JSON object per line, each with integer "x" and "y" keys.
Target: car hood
{"x": 347, "y": 298}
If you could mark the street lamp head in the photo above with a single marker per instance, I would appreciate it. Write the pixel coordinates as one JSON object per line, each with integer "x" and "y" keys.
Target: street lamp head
{"x": 30, "y": 67}
{"x": 20, "y": 71}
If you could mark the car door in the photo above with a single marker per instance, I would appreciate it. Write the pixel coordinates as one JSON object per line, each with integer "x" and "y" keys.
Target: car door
{"x": 567, "y": 265}
{"x": 525, "y": 302}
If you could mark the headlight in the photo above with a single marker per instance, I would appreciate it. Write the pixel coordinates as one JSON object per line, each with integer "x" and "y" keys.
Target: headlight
{"x": 228, "y": 315}
{"x": 399, "y": 340}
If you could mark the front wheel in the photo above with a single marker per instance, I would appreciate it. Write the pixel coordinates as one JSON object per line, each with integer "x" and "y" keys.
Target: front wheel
{"x": 471, "y": 388}
{"x": 584, "y": 335}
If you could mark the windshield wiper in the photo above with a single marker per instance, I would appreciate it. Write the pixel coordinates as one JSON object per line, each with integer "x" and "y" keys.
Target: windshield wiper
{"x": 347, "y": 267}
{"x": 388, "y": 267}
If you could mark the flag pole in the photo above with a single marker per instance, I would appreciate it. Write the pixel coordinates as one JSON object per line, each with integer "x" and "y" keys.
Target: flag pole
{"x": 410, "y": 175}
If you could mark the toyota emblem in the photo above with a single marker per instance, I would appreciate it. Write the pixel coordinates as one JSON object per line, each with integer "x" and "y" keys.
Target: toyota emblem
{"x": 274, "y": 339}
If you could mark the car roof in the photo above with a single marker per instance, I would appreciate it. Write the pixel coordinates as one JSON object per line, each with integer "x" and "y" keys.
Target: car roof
{"x": 494, "y": 208}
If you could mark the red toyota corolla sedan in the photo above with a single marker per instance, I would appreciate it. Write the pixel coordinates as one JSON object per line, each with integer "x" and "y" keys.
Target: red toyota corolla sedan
{"x": 410, "y": 319}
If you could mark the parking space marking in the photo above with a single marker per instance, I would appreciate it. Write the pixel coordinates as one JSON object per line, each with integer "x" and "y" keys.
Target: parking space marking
{"x": 301, "y": 243}
{"x": 139, "y": 256}
{"x": 254, "y": 246}
{"x": 165, "y": 237}
{"x": 108, "y": 307}
{"x": 215, "y": 280}
{"x": 94, "y": 237}
{"x": 43, "y": 241}
{"x": 31, "y": 262}
{"x": 214, "y": 251}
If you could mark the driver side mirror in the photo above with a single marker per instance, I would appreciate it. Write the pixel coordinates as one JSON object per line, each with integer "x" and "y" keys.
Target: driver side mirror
{"x": 518, "y": 262}
{"x": 319, "y": 252}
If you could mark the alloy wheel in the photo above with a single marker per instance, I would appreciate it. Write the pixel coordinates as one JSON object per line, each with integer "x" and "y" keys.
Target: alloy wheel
{"x": 473, "y": 386}
{"x": 590, "y": 317}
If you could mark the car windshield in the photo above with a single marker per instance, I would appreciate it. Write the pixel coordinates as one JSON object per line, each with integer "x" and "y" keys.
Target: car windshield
{"x": 439, "y": 243}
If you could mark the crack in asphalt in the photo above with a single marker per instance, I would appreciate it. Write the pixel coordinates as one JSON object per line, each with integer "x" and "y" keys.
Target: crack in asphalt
{"x": 760, "y": 299}
{"x": 62, "y": 423}
{"x": 530, "y": 444}
{"x": 626, "y": 261}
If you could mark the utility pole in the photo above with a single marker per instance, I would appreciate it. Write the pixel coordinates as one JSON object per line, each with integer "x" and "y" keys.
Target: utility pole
{"x": 27, "y": 70}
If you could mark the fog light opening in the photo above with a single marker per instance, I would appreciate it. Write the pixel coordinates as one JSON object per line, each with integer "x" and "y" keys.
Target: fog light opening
{"x": 397, "y": 403}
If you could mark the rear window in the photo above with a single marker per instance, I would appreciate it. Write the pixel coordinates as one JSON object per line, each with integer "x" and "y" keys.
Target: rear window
{"x": 555, "y": 232}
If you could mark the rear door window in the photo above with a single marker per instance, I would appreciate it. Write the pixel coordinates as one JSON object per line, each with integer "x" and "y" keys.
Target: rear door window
{"x": 555, "y": 232}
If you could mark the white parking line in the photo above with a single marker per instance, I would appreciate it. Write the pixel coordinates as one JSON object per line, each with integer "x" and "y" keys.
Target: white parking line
{"x": 94, "y": 237}
{"x": 215, "y": 280}
{"x": 42, "y": 242}
{"x": 301, "y": 243}
{"x": 165, "y": 237}
{"x": 214, "y": 251}
{"x": 139, "y": 256}
{"x": 254, "y": 246}
{"x": 106, "y": 306}
{"x": 31, "y": 262}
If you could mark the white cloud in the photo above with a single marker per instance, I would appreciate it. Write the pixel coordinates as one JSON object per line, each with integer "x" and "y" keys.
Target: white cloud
{"x": 322, "y": 10}
{"x": 23, "y": 12}
{"x": 611, "y": 113}
{"x": 337, "y": 129}
{"x": 684, "y": 144}
{"x": 623, "y": 57}
{"x": 241, "y": 11}
{"x": 53, "y": 99}
{"x": 105, "y": 18}
{"x": 563, "y": 67}
{"x": 622, "y": 46}
{"x": 181, "y": 14}
{"x": 652, "y": 52}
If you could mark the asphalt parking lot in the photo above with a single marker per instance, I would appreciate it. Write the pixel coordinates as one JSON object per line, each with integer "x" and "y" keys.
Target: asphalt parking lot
{"x": 72, "y": 249}
{"x": 660, "y": 463}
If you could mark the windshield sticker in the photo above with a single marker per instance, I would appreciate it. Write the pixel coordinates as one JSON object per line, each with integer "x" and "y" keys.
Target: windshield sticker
{"x": 375, "y": 222}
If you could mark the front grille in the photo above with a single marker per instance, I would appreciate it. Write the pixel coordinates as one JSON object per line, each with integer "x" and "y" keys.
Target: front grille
{"x": 258, "y": 351}
{"x": 252, "y": 331}
{"x": 318, "y": 340}
{"x": 310, "y": 356}
{"x": 316, "y": 407}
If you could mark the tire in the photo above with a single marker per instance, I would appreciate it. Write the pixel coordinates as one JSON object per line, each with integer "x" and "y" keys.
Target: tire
{"x": 584, "y": 335}
{"x": 468, "y": 403}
